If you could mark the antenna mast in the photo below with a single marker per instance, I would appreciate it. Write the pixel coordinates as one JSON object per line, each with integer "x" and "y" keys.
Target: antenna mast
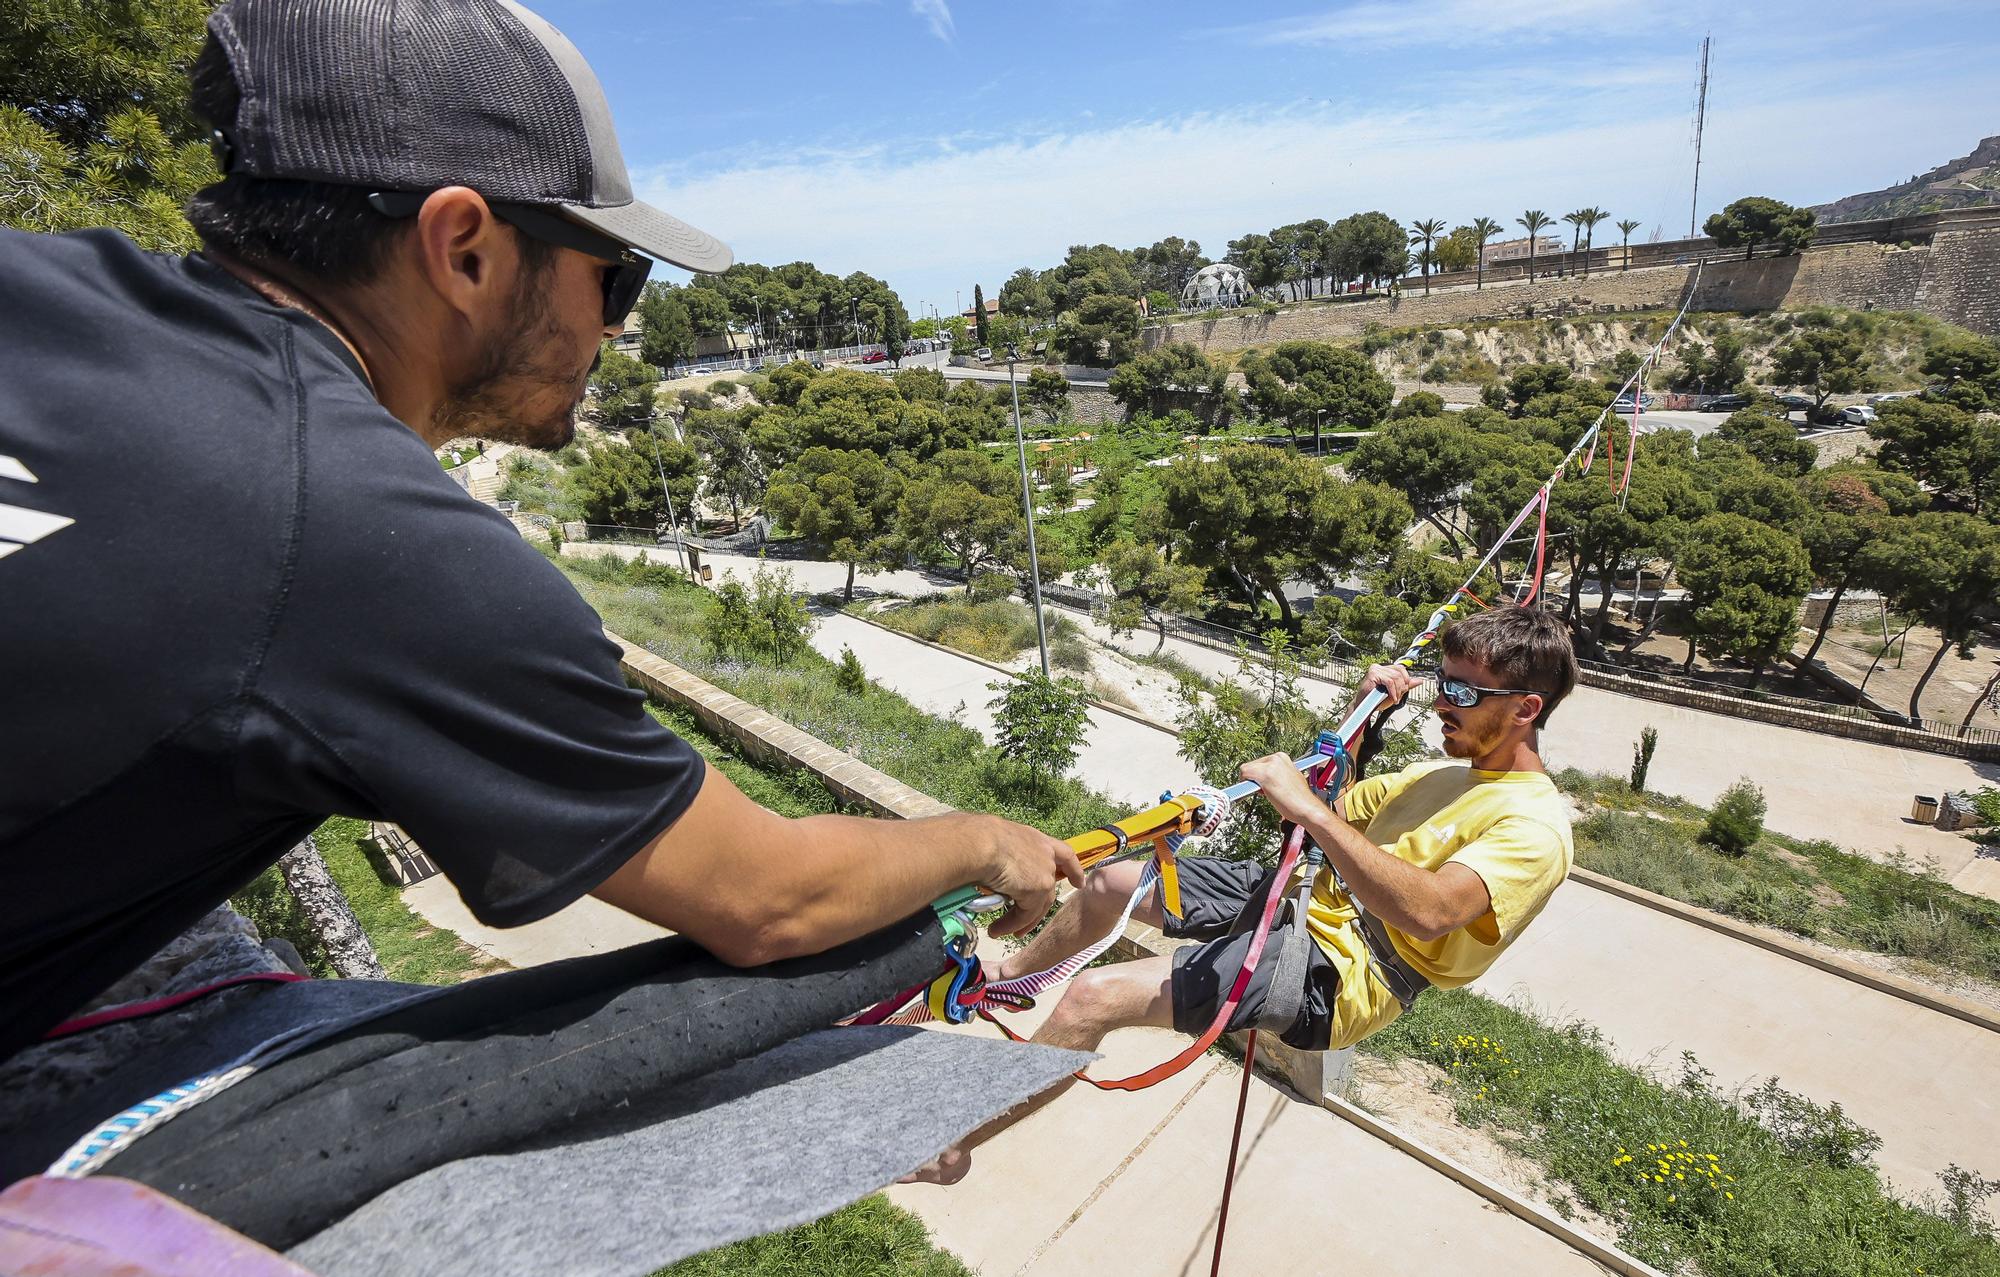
{"x": 1700, "y": 118}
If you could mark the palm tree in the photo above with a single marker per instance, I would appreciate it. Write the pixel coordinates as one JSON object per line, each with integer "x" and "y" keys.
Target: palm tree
{"x": 1535, "y": 221}
{"x": 1483, "y": 229}
{"x": 1625, "y": 229}
{"x": 1575, "y": 221}
{"x": 1426, "y": 233}
{"x": 1591, "y": 217}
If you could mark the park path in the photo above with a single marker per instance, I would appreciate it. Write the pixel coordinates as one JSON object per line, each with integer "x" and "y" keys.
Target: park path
{"x": 1654, "y": 984}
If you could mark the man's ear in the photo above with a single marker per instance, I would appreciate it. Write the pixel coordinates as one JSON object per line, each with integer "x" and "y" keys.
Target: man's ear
{"x": 460, "y": 246}
{"x": 1528, "y": 708}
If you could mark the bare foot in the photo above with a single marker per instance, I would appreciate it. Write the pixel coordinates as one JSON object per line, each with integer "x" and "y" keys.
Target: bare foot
{"x": 946, "y": 1169}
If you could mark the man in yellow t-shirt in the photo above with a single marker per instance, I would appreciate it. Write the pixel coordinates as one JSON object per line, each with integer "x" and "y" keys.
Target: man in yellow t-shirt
{"x": 1448, "y": 861}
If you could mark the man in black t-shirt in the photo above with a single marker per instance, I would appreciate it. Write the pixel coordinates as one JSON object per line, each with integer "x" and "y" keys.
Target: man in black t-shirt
{"x": 237, "y": 594}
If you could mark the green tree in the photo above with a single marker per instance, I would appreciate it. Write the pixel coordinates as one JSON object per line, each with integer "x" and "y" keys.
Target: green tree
{"x": 1458, "y": 250}
{"x": 1156, "y": 381}
{"x": 1147, "y": 587}
{"x": 1757, "y": 219}
{"x": 1256, "y": 517}
{"x": 1101, "y": 329}
{"x": 619, "y": 484}
{"x": 1965, "y": 370}
{"x": 95, "y": 123}
{"x": 1744, "y": 582}
{"x": 626, "y": 390}
{"x": 979, "y": 314}
{"x": 1262, "y": 261}
{"x": 843, "y": 503}
{"x": 1945, "y": 568}
{"x": 1167, "y": 265}
{"x": 851, "y": 410}
{"x": 1824, "y": 362}
{"x": 1575, "y": 221}
{"x": 1418, "y": 403}
{"x": 1307, "y": 384}
{"x": 965, "y": 506}
{"x": 1047, "y": 392}
{"x": 1428, "y": 460}
{"x": 1040, "y": 722}
{"x": 729, "y": 462}
{"x": 1483, "y": 229}
{"x": 1426, "y": 233}
{"x": 666, "y": 331}
{"x": 1720, "y": 366}
{"x": 1371, "y": 246}
{"x": 1953, "y": 452}
{"x": 1625, "y": 229}
{"x": 1025, "y": 294}
{"x": 1850, "y": 509}
{"x": 1771, "y": 440}
{"x": 1534, "y": 221}
{"x": 1589, "y": 218}
{"x": 848, "y": 676}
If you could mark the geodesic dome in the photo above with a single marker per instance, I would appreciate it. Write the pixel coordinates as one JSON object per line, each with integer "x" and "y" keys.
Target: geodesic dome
{"x": 1221, "y": 282}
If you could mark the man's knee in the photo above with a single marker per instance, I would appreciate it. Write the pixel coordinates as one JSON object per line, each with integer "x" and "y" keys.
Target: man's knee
{"x": 1127, "y": 993}
{"x": 1109, "y": 888}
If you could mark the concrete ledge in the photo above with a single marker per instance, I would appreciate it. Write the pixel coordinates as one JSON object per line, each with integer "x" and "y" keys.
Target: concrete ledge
{"x": 769, "y": 740}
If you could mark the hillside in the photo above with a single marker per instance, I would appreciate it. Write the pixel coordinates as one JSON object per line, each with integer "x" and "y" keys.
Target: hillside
{"x": 1966, "y": 182}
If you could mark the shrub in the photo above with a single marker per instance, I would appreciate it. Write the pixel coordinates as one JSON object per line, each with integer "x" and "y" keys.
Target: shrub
{"x": 1986, "y": 805}
{"x": 767, "y": 619}
{"x": 1737, "y": 821}
{"x": 850, "y": 677}
{"x": 1642, "y": 758}
{"x": 1040, "y": 722}
{"x": 988, "y": 586}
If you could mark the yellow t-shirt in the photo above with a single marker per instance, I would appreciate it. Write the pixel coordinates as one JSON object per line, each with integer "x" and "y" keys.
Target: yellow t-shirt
{"x": 1510, "y": 828}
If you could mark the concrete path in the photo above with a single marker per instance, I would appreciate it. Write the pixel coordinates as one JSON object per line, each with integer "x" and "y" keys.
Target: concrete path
{"x": 1655, "y": 984}
{"x": 1110, "y": 1182}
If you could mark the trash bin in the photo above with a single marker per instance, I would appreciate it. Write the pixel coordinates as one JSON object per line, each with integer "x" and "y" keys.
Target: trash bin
{"x": 1924, "y": 809}
{"x": 707, "y": 572}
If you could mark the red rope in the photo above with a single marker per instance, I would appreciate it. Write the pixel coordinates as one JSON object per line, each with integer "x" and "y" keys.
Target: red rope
{"x": 1541, "y": 550}
{"x": 1235, "y": 1138}
{"x": 153, "y": 1006}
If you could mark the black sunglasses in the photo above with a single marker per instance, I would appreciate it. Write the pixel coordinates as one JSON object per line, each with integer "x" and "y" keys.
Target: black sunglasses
{"x": 623, "y": 278}
{"x": 1465, "y": 695}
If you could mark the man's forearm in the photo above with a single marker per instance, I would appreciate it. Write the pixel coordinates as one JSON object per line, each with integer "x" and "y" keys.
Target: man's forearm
{"x": 852, "y": 875}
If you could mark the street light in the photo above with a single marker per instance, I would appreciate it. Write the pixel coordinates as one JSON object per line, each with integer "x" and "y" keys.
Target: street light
{"x": 673, "y": 522}
{"x": 1028, "y": 513}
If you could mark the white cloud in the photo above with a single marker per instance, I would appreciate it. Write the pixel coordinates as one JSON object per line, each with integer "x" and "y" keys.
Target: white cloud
{"x": 1438, "y": 22}
{"x": 938, "y": 216}
{"x": 938, "y": 14}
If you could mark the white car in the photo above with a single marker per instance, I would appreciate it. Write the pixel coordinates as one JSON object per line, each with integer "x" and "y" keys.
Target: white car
{"x": 984, "y": 355}
{"x": 1857, "y": 415}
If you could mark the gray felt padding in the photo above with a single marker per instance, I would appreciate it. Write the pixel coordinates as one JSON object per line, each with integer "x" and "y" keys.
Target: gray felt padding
{"x": 779, "y": 1139}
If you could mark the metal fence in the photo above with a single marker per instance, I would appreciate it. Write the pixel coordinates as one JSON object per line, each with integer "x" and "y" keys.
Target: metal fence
{"x": 1831, "y": 709}
{"x": 772, "y": 359}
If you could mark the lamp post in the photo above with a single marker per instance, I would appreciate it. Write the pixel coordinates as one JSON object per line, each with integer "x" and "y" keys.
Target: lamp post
{"x": 1028, "y": 513}
{"x": 673, "y": 522}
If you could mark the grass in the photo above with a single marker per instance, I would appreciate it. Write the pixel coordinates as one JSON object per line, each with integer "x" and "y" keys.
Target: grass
{"x": 1792, "y": 1190}
{"x": 996, "y": 629}
{"x": 1810, "y": 888}
{"x": 410, "y": 948}
{"x": 868, "y": 1238}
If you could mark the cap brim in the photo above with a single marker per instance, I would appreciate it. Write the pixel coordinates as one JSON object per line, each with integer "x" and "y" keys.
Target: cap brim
{"x": 640, "y": 226}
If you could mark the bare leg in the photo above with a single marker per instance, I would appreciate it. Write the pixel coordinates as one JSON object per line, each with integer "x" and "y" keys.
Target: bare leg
{"x": 1082, "y": 920}
{"x": 1099, "y": 1000}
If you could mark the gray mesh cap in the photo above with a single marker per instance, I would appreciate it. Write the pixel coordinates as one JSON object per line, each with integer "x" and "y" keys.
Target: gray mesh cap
{"x": 413, "y": 95}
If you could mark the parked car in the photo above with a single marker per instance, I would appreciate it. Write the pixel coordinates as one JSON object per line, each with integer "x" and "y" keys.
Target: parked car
{"x": 1796, "y": 403}
{"x": 1725, "y": 403}
{"x": 984, "y": 354}
{"x": 1623, "y": 404}
{"x": 1857, "y": 415}
{"x": 874, "y": 357}
{"x": 1878, "y": 400}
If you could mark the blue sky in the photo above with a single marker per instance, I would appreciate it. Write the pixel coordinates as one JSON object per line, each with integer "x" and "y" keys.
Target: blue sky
{"x": 939, "y": 143}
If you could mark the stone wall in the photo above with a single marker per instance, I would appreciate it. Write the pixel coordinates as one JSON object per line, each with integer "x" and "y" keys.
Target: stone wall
{"x": 1953, "y": 275}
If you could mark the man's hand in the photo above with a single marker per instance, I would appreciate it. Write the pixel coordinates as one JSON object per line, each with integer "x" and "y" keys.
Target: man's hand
{"x": 1395, "y": 680}
{"x": 1285, "y": 787}
{"x": 1025, "y": 865}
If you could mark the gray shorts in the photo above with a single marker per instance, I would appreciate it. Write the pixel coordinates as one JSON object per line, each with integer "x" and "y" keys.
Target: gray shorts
{"x": 1221, "y": 901}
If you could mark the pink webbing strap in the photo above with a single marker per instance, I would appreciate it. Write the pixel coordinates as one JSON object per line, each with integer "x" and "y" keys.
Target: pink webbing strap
{"x": 1161, "y": 1072}
{"x": 153, "y": 1006}
{"x": 1541, "y": 550}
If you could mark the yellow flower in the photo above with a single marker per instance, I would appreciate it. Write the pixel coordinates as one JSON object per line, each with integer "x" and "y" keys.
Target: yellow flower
{"x": 1684, "y": 1143}
{"x": 1659, "y": 1179}
{"x": 1732, "y": 1197}
{"x": 1670, "y": 1197}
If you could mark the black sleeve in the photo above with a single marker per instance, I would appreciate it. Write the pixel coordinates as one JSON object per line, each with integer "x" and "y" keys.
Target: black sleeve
{"x": 430, "y": 668}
